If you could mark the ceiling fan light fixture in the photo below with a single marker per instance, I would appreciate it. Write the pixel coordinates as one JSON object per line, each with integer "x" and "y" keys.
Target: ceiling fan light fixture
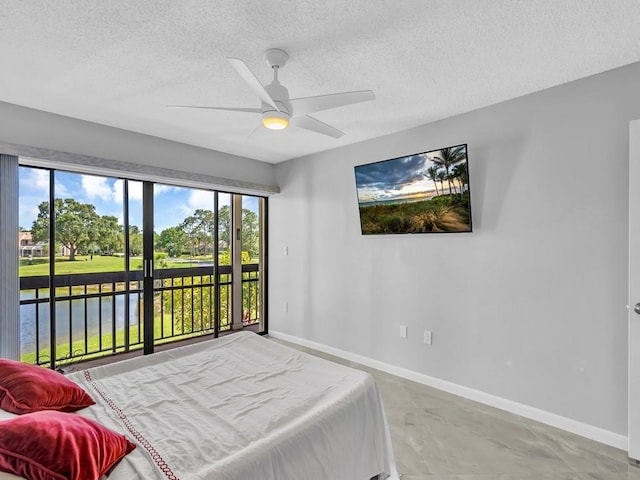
{"x": 275, "y": 120}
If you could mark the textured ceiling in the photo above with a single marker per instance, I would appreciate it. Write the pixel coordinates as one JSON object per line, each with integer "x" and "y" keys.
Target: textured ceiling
{"x": 119, "y": 62}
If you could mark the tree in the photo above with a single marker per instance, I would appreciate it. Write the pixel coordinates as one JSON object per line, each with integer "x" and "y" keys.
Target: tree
{"x": 135, "y": 240}
{"x": 250, "y": 233}
{"x": 198, "y": 231}
{"x": 199, "y": 228}
{"x": 172, "y": 240}
{"x": 442, "y": 176}
{"x": 75, "y": 224}
{"x": 224, "y": 227}
{"x": 193, "y": 307}
{"x": 206, "y": 229}
{"x": 450, "y": 178}
{"x": 462, "y": 174}
{"x": 189, "y": 227}
{"x": 448, "y": 157}
{"x": 432, "y": 173}
{"x": 107, "y": 234}
{"x": 40, "y": 226}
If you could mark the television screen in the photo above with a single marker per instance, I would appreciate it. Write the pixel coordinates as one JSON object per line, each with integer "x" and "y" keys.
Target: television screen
{"x": 422, "y": 193}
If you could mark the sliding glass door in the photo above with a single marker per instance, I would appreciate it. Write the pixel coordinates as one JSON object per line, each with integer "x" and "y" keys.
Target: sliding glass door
{"x": 78, "y": 295}
{"x": 128, "y": 265}
{"x": 253, "y": 247}
{"x": 190, "y": 284}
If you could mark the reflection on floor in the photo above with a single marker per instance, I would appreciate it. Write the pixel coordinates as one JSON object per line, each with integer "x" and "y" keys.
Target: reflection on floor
{"x": 439, "y": 436}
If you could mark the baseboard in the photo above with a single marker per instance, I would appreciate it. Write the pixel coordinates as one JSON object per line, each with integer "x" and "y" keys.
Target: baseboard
{"x": 585, "y": 430}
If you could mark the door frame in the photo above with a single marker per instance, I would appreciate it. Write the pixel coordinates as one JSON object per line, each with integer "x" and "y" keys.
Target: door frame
{"x": 633, "y": 416}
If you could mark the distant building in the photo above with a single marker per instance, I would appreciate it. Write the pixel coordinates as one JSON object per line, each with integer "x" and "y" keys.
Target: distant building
{"x": 27, "y": 248}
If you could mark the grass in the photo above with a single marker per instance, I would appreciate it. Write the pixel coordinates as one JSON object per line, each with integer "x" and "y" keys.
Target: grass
{"x": 444, "y": 213}
{"x": 100, "y": 264}
{"x": 94, "y": 349}
{"x": 82, "y": 264}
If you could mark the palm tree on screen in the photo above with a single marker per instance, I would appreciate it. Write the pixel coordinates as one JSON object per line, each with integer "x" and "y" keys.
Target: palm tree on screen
{"x": 460, "y": 172}
{"x": 448, "y": 157}
{"x": 442, "y": 176}
{"x": 432, "y": 173}
{"x": 452, "y": 185}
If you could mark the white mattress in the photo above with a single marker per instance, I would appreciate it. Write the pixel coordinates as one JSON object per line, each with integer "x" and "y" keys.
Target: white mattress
{"x": 241, "y": 407}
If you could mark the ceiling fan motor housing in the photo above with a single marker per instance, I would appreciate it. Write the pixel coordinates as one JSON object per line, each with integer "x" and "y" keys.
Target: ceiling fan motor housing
{"x": 280, "y": 96}
{"x": 275, "y": 57}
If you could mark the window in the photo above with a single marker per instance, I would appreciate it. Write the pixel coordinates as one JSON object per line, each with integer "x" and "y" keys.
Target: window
{"x": 85, "y": 277}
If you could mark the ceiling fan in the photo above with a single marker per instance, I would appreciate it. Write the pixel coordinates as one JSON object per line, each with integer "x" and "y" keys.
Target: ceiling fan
{"x": 278, "y": 110}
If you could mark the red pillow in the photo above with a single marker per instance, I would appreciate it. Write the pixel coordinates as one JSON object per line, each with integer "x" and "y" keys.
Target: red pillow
{"x": 52, "y": 445}
{"x": 28, "y": 388}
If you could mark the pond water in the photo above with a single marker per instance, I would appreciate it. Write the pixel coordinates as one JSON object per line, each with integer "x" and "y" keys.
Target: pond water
{"x": 70, "y": 319}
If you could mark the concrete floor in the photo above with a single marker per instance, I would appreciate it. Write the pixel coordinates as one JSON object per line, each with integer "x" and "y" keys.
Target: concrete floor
{"x": 440, "y": 436}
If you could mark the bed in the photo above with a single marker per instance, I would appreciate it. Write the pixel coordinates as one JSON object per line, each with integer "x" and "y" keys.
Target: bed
{"x": 240, "y": 407}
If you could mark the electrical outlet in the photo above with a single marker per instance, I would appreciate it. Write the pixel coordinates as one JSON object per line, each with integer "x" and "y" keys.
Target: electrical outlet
{"x": 427, "y": 337}
{"x": 403, "y": 331}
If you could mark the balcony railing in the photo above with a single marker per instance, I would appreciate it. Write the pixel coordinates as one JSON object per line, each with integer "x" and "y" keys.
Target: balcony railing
{"x": 99, "y": 314}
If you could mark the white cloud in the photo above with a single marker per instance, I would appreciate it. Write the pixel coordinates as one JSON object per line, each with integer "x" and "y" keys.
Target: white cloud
{"x": 135, "y": 191}
{"x": 38, "y": 180}
{"x": 97, "y": 187}
{"x": 118, "y": 186}
{"x": 61, "y": 190}
{"x": 159, "y": 188}
{"x": 197, "y": 199}
{"x": 200, "y": 199}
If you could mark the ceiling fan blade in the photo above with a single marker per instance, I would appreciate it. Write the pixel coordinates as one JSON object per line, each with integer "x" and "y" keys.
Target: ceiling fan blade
{"x": 302, "y": 106}
{"x": 249, "y": 77}
{"x": 315, "y": 125}
{"x": 250, "y": 110}
{"x": 254, "y": 132}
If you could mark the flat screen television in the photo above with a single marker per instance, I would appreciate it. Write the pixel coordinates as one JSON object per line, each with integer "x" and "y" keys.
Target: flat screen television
{"x": 421, "y": 193}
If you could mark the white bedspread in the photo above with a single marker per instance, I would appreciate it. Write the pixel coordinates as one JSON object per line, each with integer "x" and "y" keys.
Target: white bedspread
{"x": 241, "y": 408}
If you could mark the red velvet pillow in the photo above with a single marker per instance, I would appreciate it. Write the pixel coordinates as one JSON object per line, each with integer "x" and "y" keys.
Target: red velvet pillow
{"x": 52, "y": 445}
{"x": 28, "y": 388}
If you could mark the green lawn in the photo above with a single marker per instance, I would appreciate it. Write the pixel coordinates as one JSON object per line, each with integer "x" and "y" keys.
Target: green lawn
{"x": 99, "y": 264}
{"x": 82, "y": 264}
{"x": 93, "y": 350}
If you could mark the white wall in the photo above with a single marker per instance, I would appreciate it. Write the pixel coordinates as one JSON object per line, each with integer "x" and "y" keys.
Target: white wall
{"x": 531, "y": 306}
{"x": 35, "y": 128}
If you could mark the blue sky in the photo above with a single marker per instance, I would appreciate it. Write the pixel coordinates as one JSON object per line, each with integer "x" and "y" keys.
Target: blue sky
{"x": 171, "y": 204}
